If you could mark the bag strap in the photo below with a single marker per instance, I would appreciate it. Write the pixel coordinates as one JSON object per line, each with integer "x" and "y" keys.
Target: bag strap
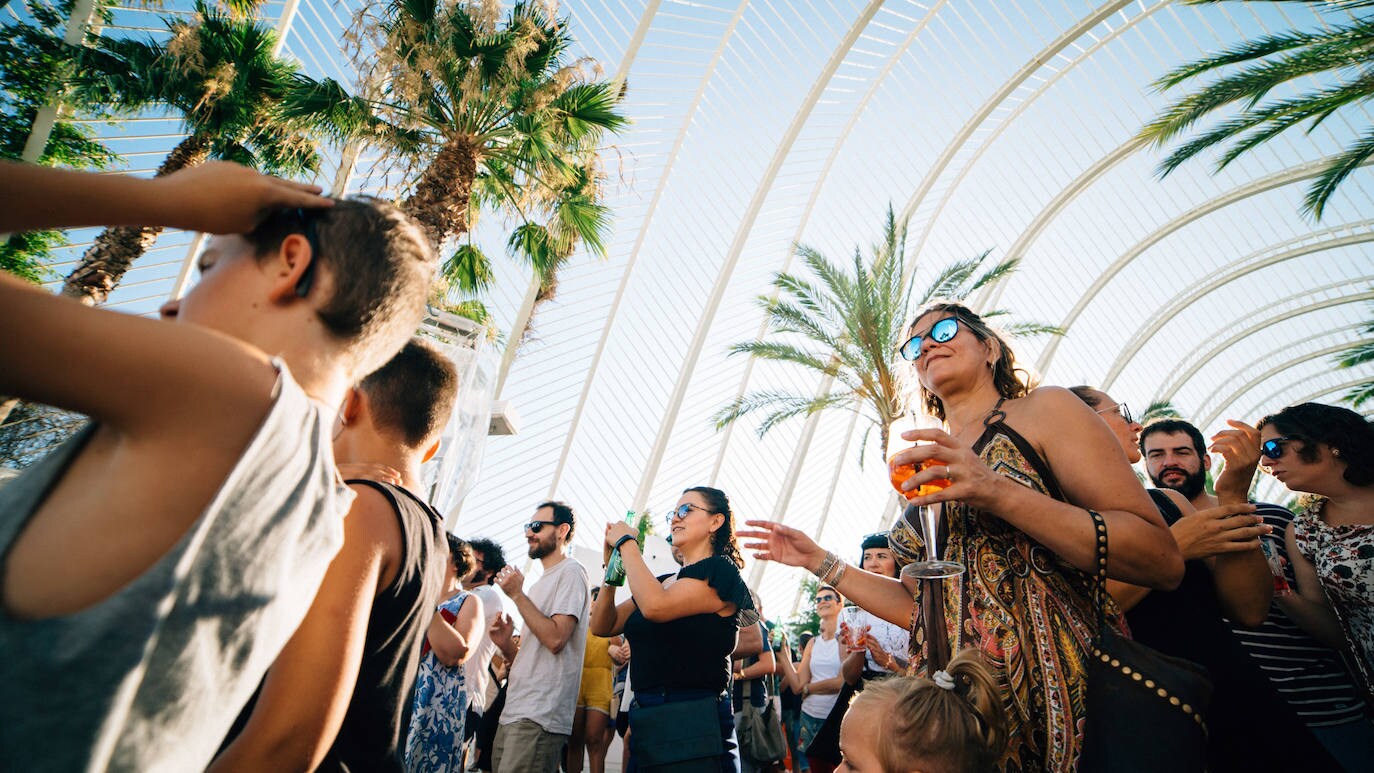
{"x": 1100, "y": 579}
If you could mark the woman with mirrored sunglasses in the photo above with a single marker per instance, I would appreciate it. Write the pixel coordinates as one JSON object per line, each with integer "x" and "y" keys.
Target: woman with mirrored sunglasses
{"x": 1025, "y": 465}
{"x": 1329, "y": 452}
{"x": 682, "y": 630}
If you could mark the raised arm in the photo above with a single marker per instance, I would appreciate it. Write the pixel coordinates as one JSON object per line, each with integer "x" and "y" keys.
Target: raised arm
{"x": 452, "y": 642}
{"x": 216, "y": 197}
{"x": 554, "y": 631}
{"x": 608, "y": 618}
{"x": 1093, "y": 473}
{"x": 1241, "y": 574}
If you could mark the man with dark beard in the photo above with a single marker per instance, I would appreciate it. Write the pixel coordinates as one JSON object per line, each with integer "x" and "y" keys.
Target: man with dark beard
{"x": 1307, "y": 675}
{"x": 541, "y": 694}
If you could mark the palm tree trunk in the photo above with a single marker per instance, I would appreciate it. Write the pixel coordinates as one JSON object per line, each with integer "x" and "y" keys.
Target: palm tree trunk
{"x": 444, "y": 193}
{"x": 116, "y": 248}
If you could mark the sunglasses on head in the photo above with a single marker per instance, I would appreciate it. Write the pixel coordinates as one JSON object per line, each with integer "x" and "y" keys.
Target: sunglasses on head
{"x": 1121, "y": 409}
{"x": 939, "y": 332}
{"x": 1273, "y": 448}
{"x": 534, "y": 527}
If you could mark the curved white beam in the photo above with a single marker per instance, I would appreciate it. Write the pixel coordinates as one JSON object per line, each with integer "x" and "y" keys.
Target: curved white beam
{"x": 728, "y": 432}
{"x": 1051, "y": 210}
{"x": 639, "y": 242}
{"x": 1037, "y": 61}
{"x": 1233, "y": 271}
{"x": 526, "y": 312}
{"x": 1269, "y": 373}
{"x": 1266, "y": 405}
{"x": 1249, "y": 325}
{"x": 1241, "y": 193}
{"x": 1298, "y": 345}
{"x": 727, "y": 269}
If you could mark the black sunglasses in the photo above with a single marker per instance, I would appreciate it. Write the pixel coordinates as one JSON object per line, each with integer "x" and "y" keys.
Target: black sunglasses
{"x": 939, "y": 332}
{"x": 827, "y": 597}
{"x": 307, "y": 221}
{"x": 683, "y": 510}
{"x": 1273, "y": 448}
{"x": 534, "y": 527}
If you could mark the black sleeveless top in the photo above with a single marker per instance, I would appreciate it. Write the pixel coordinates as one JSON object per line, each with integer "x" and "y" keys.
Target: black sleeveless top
{"x": 371, "y": 737}
{"x": 1250, "y": 727}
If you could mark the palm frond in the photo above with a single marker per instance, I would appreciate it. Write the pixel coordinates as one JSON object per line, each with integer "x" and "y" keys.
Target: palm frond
{"x": 469, "y": 269}
{"x": 1335, "y": 172}
{"x": 1160, "y": 409}
{"x": 1030, "y": 329}
{"x": 1358, "y": 395}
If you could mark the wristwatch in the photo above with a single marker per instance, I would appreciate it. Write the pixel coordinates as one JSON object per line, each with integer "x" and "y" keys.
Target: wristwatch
{"x": 623, "y": 539}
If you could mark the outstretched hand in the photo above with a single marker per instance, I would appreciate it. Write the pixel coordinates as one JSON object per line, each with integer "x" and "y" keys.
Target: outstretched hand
{"x": 774, "y": 542}
{"x": 225, "y": 198}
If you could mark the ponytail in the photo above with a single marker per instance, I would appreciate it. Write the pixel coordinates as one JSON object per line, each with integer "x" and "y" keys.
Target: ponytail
{"x": 952, "y": 723}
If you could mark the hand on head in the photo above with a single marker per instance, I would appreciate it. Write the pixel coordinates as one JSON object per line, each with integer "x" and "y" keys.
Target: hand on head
{"x": 225, "y": 198}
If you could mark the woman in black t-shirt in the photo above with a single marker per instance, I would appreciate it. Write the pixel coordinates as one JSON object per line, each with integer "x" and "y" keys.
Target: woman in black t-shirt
{"x": 682, "y": 629}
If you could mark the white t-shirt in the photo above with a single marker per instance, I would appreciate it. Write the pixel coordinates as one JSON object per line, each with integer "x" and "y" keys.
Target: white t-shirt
{"x": 543, "y": 686}
{"x": 475, "y": 667}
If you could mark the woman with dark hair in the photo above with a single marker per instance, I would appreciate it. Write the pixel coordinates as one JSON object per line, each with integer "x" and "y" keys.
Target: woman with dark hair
{"x": 884, "y": 646}
{"x": 1329, "y": 451}
{"x": 435, "y": 740}
{"x": 1025, "y": 466}
{"x": 683, "y": 629}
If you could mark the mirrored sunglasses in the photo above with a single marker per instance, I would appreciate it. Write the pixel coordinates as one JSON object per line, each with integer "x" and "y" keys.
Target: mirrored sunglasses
{"x": 1273, "y": 448}
{"x": 939, "y": 332}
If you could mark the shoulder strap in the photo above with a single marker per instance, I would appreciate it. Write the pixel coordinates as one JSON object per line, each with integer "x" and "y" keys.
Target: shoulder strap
{"x": 1165, "y": 505}
{"x": 1100, "y": 583}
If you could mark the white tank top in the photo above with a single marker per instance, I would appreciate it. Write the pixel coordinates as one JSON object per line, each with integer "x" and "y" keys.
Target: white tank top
{"x": 825, "y": 663}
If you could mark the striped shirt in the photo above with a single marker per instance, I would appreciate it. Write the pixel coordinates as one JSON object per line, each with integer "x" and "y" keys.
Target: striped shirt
{"x": 1308, "y": 674}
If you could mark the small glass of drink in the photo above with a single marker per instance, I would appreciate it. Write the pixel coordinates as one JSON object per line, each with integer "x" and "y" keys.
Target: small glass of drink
{"x": 933, "y": 567}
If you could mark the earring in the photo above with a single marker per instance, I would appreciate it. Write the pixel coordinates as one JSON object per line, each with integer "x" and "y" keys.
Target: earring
{"x": 1336, "y": 452}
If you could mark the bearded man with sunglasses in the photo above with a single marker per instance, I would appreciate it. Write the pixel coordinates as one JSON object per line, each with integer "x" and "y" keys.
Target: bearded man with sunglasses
{"x": 541, "y": 695}
{"x": 1307, "y": 675}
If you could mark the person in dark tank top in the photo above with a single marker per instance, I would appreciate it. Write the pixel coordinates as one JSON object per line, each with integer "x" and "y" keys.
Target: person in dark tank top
{"x": 338, "y": 696}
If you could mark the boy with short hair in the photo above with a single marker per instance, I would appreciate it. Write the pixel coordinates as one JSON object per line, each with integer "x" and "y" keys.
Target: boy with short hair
{"x": 338, "y": 696}
{"x": 154, "y": 566}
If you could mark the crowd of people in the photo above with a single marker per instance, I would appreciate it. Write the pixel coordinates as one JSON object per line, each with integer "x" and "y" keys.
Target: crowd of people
{"x": 230, "y": 567}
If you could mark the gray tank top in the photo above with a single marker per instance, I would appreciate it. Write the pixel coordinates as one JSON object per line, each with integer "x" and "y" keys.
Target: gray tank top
{"x": 151, "y": 678}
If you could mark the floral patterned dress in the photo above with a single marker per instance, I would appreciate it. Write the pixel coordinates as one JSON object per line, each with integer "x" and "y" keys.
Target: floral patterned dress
{"x": 1344, "y": 559}
{"x": 435, "y": 741}
{"x": 1030, "y": 612}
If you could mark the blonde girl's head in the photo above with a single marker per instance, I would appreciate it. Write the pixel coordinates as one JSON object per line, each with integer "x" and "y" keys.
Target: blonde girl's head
{"x": 952, "y": 723}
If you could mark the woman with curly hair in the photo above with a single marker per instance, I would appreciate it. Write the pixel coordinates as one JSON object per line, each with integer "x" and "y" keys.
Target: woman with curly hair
{"x": 681, "y": 630}
{"x": 1329, "y": 451}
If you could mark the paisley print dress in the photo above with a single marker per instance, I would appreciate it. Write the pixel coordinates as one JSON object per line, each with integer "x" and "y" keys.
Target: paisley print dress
{"x": 1029, "y": 612}
{"x": 1344, "y": 559}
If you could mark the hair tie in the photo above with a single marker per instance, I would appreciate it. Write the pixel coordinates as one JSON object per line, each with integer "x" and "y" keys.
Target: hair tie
{"x": 943, "y": 680}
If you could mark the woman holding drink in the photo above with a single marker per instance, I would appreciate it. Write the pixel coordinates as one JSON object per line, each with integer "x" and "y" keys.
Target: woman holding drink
{"x": 1024, "y": 466}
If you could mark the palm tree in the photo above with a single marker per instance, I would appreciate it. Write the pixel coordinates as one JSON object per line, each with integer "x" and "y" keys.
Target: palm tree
{"x": 1160, "y": 409}
{"x": 34, "y": 57}
{"x": 1337, "y": 56}
{"x": 850, "y": 324}
{"x": 484, "y": 114}
{"x": 1358, "y": 354}
{"x": 222, "y": 77}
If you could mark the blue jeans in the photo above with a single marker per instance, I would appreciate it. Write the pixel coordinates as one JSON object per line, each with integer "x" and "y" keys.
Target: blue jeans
{"x": 724, "y": 713}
